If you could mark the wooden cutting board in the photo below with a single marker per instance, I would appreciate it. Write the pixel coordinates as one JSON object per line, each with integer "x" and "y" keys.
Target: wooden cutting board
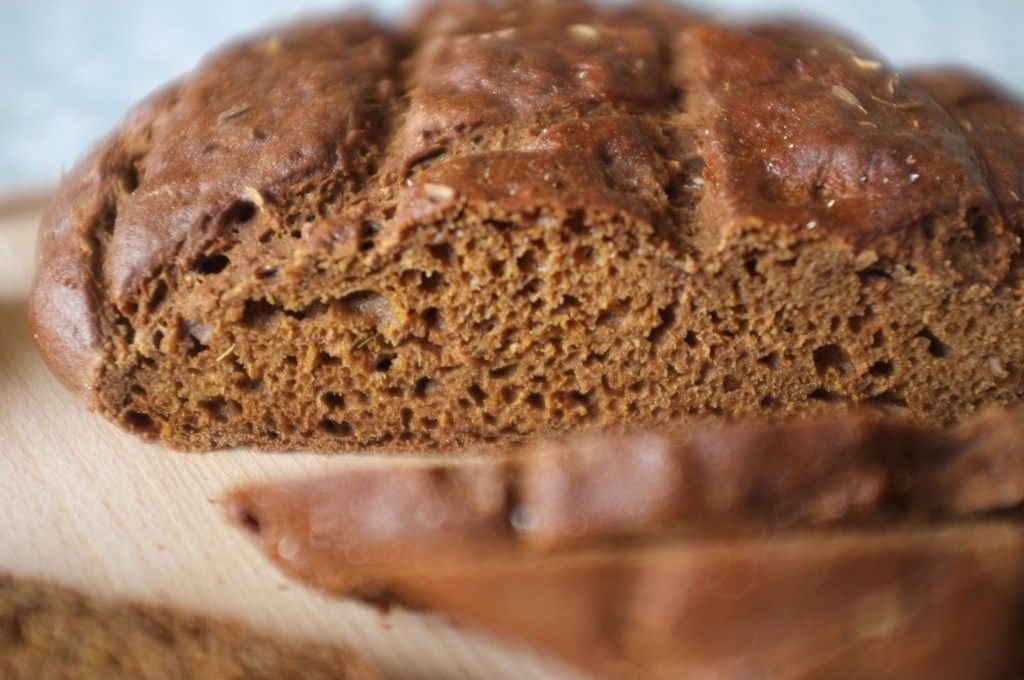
{"x": 86, "y": 506}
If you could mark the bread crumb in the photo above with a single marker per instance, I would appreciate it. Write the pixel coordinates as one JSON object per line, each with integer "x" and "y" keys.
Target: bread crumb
{"x": 439, "y": 192}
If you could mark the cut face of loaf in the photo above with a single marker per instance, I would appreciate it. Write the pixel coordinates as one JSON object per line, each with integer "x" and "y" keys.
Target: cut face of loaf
{"x": 516, "y": 219}
{"x": 843, "y": 547}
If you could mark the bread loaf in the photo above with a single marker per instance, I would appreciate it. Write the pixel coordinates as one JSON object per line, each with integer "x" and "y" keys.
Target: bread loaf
{"x": 843, "y": 547}
{"x": 513, "y": 219}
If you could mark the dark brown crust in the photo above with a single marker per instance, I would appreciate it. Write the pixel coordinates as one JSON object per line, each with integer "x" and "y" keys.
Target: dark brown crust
{"x": 51, "y": 632}
{"x": 64, "y": 305}
{"x": 470, "y": 211}
{"x": 805, "y": 550}
{"x": 69, "y": 289}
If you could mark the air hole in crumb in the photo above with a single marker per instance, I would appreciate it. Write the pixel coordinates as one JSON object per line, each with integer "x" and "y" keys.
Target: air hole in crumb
{"x": 258, "y": 313}
{"x": 582, "y": 398}
{"x": 335, "y": 428}
{"x": 771, "y": 360}
{"x": 157, "y": 298}
{"x": 502, "y": 372}
{"x": 982, "y": 226}
{"x": 887, "y": 398}
{"x": 750, "y": 264}
{"x": 832, "y": 357}
{"x": 369, "y": 230}
{"x": 668, "y": 319}
{"x": 239, "y": 212}
{"x": 730, "y": 383}
{"x": 333, "y": 400}
{"x": 610, "y": 317}
{"x": 384, "y": 365}
{"x": 442, "y": 252}
{"x": 691, "y": 339}
{"x": 880, "y": 271}
{"x": 936, "y": 347}
{"x": 326, "y": 359}
{"x": 139, "y": 422}
{"x": 535, "y": 400}
{"x": 532, "y": 287}
{"x": 497, "y": 268}
{"x": 370, "y": 304}
{"x": 220, "y": 409}
{"x": 196, "y": 347}
{"x": 211, "y": 264}
{"x": 432, "y": 282}
{"x": 406, "y": 418}
{"x": 508, "y": 394}
{"x": 477, "y": 394}
{"x": 419, "y": 389}
{"x": 856, "y": 323}
{"x": 881, "y": 369}
{"x": 527, "y": 262}
{"x": 821, "y": 394}
{"x": 583, "y": 255}
{"x": 432, "y": 317}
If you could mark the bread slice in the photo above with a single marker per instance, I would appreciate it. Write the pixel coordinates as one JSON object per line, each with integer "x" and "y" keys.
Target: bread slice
{"x": 513, "y": 219}
{"x": 843, "y": 547}
{"x": 48, "y": 632}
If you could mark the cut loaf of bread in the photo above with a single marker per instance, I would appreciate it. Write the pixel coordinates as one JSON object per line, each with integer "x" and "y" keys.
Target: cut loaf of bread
{"x": 834, "y": 548}
{"x": 512, "y": 219}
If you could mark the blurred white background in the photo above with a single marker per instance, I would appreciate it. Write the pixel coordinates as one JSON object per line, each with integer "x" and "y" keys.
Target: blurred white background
{"x": 70, "y": 68}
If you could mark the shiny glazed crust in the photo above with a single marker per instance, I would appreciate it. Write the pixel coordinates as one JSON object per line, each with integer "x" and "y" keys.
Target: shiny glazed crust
{"x": 512, "y": 219}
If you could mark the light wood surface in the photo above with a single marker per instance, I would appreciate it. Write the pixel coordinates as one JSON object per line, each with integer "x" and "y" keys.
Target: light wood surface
{"x": 86, "y": 506}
